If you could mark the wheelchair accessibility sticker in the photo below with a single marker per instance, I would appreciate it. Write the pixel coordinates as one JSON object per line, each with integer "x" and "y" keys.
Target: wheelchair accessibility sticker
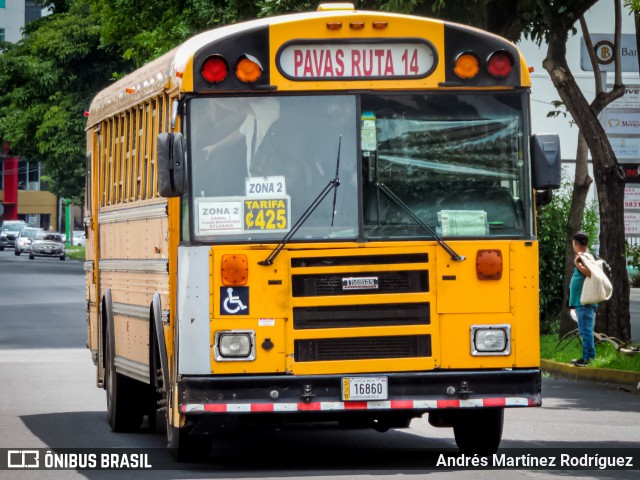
{"x": 234, "y": 300}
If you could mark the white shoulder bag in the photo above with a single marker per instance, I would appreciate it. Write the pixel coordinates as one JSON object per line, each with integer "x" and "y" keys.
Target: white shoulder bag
{"x": 597, "y": 288}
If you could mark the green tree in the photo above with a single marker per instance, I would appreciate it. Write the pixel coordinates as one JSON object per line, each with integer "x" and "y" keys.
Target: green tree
{"x": 141, "y": 30}
{"x": 552, "y": 221}
{"x": 47, "y": 81}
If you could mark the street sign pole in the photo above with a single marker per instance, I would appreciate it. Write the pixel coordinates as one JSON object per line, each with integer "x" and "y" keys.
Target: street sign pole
{"x": 67, "y": 219}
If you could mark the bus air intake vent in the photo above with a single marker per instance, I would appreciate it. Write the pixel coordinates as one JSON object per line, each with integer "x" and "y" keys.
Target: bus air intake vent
{"x": 403, "y": 281}
{"x": 387, "y": 315}
{"x": 362, "y": 348}
{"x": 359, "y": 260}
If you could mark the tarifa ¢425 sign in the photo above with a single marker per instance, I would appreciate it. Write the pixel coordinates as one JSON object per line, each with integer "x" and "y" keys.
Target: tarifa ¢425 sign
{"x": 317, "y": 60}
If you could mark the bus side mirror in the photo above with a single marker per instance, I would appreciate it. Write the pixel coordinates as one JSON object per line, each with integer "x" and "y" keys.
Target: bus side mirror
{"x": 543, "y": 197}
{"x": 546, "y": 166}
{"x": 170, "y": 165}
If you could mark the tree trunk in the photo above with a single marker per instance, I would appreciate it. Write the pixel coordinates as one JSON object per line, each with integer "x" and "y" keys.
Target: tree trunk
{"x": 581, "y": 185}
{"x": 613, "y": 318}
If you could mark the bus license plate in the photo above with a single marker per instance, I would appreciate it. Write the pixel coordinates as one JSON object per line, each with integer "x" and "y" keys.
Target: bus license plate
{"x": 364, "y": 388}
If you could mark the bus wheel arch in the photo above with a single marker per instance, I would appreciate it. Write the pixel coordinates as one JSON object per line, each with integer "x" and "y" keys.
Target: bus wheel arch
{"x": 158, "y": 369}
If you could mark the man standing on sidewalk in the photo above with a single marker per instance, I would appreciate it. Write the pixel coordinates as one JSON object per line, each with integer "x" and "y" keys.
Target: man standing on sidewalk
{"x": 586, "y": 313}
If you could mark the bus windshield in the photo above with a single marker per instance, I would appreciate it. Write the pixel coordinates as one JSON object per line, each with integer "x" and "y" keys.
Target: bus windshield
{"x": 456, "y": 161}
{"x": 258, "y": 163}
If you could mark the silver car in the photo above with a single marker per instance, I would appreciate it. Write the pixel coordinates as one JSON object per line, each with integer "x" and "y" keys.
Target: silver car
{"x": 48, "y": 244}
{"x": 26, "y": 236}
{"x": 9, "y": 233}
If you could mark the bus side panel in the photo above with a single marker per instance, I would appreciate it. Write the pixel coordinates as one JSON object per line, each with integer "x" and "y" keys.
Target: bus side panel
{"x": 193, "y": 310}
{"x": 526, "y": 300}
{"x": 459, "y": 290}
{"x": 133, "y": 266}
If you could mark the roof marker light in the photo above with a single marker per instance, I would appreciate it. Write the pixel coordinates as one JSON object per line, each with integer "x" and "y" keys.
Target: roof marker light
{"x": 334, "y": 25}
{"x": 380, "y": 25}
{"x": 215, "y": 69}
{"x": 466, "y": 65}
{"x": 500, "y": 64}
{"x": 356, "y": 25}
{"x": 248, "y": 69}
{"x": 328, "y": 7}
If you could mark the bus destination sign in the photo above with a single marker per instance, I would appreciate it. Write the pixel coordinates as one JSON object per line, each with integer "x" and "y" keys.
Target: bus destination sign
{"x": 356, "y": 61}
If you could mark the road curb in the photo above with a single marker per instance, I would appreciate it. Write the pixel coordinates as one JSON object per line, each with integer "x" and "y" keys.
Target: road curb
{"x": 603, "y": 375}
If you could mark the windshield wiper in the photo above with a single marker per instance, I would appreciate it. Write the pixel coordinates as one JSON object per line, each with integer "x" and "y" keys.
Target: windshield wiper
{"x": 333, "y": 183}
{"x": 395, "y": 199}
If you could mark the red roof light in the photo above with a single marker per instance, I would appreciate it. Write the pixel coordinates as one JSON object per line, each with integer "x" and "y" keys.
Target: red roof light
{"x": 215, "y": 69}
{"x": 500, "y": 64}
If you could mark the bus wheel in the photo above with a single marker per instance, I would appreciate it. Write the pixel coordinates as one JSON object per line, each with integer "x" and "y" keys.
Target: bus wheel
{"x": 123, "y": 410}
{"x": 183, "y": 446}
{"x": 479, "y": 431}
{"x": 188, "y": 447}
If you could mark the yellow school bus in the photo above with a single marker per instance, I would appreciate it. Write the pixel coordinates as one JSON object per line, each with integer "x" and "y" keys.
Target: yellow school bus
{"x": 318, "y": 217}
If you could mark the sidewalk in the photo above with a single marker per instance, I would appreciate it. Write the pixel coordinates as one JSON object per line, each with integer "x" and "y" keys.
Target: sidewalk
{"x": 618, "y": 377}
{"x": 603, "y": 375}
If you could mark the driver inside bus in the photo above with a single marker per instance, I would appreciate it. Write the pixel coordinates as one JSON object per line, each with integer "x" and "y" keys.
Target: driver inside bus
{"x": 229, "y": 133}
{"x": 253, "y": 119}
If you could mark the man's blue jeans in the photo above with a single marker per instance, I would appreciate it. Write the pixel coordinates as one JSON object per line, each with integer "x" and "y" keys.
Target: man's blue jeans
{"x": 586, "y": 320}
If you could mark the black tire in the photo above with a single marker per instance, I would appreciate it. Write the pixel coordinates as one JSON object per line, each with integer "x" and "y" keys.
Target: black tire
{"x": 31, "y": 256}
{"x": 63, "y": 258}
{"x": 183, "y": 446}
{"x": 123, "y": 400}
{"x": 187, "y": 447}
{"x": 479, "y": 431}
{"x": 1, "y": 249}
{"x": 16, "y": 253}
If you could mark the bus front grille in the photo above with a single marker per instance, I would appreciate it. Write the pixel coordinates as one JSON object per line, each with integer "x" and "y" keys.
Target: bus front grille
{"x": 362, "y": 348}
{"x": 344, "y": 316}
{"x": 404, "y": 281}
{"x": 390, "y": 259}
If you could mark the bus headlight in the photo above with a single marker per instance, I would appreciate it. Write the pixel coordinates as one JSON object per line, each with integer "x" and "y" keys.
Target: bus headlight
{"x": 235, "y": 346}
{"x": 490, "y": 340}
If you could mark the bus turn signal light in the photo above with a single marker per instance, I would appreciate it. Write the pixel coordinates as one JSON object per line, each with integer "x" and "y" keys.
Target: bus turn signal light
{"x": 215, "y": 69}
{"x": 489, "y": 264}
{"x": 235, "y": 270}
{"x": 466, "y": 66}
{"x": 500, "y": 64}
{"x": 248, "y": 69}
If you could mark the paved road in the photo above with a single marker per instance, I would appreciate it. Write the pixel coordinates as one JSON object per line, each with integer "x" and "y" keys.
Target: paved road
{"x": 48, "y": 399}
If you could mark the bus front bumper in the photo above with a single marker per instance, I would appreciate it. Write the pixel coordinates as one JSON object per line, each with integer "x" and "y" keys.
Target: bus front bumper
{"x": 409, "y": 391}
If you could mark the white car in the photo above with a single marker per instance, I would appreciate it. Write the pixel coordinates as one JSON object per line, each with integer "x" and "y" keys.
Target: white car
{"x": 24, "y": 240}
{"x": 79, "y": 238}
